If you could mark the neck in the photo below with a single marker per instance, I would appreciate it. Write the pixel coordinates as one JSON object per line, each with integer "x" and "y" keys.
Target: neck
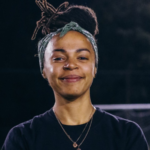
{"x": 78, "y": 111}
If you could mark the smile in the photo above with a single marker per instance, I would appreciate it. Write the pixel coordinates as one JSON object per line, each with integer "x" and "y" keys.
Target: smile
{"x": 71, "y": 78}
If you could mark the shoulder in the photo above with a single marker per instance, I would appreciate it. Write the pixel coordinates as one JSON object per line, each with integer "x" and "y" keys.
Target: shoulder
{"x": 24, "y": 132}
{"x": 116, "y": 121}
{"x": 37, "y": 122}
{"x": 128, "y": 131}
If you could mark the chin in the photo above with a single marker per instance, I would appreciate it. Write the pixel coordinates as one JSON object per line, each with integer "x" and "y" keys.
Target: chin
{"x": 71, "y": 96}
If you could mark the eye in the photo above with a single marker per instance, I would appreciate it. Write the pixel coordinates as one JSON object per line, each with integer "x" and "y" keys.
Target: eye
{"x": 58, "y": 58}
{"x": 83, "y": 58}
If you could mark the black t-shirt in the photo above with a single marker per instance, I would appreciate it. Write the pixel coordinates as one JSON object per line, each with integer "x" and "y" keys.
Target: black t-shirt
{"x": 107, "y": 132}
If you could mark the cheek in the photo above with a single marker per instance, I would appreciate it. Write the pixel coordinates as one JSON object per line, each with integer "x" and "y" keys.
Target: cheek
{"x": 52, "y": 72}
{"x": 89, "y": 69}
{"x": 48, "y": 70}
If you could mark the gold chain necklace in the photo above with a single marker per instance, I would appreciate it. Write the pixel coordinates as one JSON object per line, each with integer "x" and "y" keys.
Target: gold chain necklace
{"x": 75, "y": 145}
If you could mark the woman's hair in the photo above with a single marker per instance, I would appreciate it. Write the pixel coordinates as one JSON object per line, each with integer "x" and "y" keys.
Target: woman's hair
{"x": 53, "y": 18}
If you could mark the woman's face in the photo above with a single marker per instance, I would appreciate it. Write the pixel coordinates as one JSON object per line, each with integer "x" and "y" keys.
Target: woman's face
{"x": 69, "y": 64}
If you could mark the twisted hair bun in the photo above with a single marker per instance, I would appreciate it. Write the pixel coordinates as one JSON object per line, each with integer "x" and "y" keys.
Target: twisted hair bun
{"x": 53, "y": 18}
{"x": 84, "y": 16}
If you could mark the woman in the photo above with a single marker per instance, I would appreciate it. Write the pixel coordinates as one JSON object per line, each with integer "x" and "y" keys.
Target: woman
{"x": 68, "y": 59}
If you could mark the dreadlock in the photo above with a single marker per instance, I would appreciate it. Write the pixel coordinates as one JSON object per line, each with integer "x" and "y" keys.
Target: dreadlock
{"x": 52, "y": 18}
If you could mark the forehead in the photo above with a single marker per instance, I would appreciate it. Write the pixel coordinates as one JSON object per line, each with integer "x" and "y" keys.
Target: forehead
{"x": 71, "y": 40}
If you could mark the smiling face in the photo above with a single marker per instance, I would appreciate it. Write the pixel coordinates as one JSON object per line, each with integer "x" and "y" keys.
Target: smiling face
{"x": 69, "y": 65}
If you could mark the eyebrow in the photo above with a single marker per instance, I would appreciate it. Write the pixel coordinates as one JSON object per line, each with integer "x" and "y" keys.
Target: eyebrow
{"x": 77, "y": 51}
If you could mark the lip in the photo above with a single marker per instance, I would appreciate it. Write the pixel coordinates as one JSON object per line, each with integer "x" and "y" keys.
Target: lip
{"x": 71, "y": 78}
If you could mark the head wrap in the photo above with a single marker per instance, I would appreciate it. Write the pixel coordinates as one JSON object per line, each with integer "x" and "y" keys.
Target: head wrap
{"x": 70, "y": 26}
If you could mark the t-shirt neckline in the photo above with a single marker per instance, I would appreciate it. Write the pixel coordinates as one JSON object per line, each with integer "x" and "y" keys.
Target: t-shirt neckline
{"x": 80, "y": 125}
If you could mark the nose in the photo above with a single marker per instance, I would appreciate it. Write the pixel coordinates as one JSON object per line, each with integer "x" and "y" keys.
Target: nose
{"x": 70, "y": 65}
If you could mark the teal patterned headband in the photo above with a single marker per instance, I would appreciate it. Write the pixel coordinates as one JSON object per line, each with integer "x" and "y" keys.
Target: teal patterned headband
{"x": 70, "y": 26}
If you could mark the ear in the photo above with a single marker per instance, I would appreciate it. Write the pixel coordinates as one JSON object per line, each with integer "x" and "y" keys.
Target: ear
{"x": 43, "y": 74}
{"x": 95, "y": 71}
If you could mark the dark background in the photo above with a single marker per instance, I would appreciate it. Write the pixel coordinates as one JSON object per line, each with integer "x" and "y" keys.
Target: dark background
{"x": 124, "y": 51}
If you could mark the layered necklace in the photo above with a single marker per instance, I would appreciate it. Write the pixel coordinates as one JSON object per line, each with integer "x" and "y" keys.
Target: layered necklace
{"x": 75, "y": 145}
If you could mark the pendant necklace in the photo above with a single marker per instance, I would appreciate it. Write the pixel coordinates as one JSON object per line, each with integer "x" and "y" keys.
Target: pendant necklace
{"x": 75, "y": 145}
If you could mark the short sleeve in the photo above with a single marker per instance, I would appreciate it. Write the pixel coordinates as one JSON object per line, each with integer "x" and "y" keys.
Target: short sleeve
{"x": 135, "y": 139}
{"x": 14, "y": 140}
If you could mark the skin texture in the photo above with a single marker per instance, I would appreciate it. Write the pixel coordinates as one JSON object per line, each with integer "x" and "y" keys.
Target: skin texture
{"x": 71, "y": 54}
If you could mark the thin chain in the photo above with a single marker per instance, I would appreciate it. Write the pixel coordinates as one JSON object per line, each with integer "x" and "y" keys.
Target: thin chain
{"x": 87, "y": 132}
{"x": 66, "y": 132}
{"x": 82, "y": 131}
